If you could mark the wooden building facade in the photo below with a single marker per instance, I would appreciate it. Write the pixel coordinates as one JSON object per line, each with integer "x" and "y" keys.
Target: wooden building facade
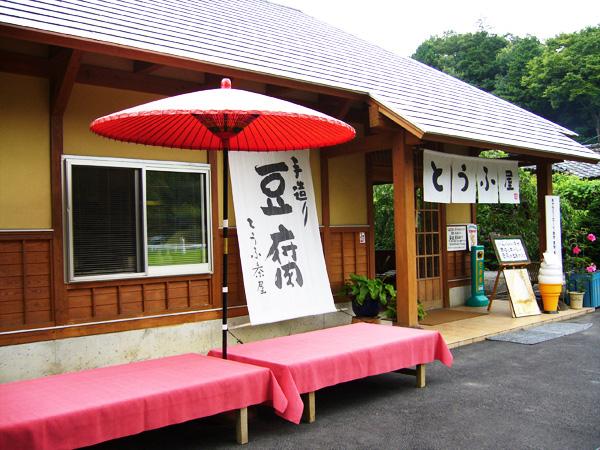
{"x": 54, "y": 81}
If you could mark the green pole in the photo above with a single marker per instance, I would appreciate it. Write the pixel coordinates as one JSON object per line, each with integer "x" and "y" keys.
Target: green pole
{"x": 478, "y": 297}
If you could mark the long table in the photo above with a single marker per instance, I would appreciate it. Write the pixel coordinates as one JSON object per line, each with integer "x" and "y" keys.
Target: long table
{"x": 83, "y": 408}
{"x": 306, "y": 362}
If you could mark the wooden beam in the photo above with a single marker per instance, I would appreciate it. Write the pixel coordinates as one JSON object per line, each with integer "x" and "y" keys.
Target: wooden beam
{"x": 121, "y": 79}
{"x": 544, "y": 187}
{"x": 24, "y": 64}
{"x": 405, "y": 236}
{"x": 377, "y": 121}
{"x": 145, "y": 67}
{"x": 373, "y": 143}
{"x": 105, "y": 48}
{"x": 65, "y": 67}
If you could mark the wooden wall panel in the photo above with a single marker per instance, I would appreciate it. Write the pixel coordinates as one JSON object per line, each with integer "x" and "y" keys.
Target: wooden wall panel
{"x": 347, "y": 255}
{"x": 108, "y": 300}
{"x": 459, "y": 268}
{"x": 25, "y": 283}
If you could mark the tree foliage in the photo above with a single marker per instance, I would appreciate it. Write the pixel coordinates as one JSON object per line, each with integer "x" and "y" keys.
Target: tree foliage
{"x": 558, "y": 80}
{"x": 567, "y": 74}
{"x": 470, "y": 57}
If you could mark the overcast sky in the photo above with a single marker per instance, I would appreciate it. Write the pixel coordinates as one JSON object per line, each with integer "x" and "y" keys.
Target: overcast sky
{"x": 400, "y": 26}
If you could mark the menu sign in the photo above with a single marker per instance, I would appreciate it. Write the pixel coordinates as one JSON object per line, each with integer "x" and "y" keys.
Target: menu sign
{"x": 510, "y": 250}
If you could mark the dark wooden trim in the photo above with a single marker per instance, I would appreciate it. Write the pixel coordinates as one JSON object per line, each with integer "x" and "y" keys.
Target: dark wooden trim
{"x": 145, "y": 67}
{"x": 24, "y": 64}
{"x": 543, "y": 174}
{"x": 443, "y": 250}
{"x": 58, "y": 277}
{"x": 122, "y": 51}
{"x": 65, "y": 68}
{"x": 459, "y": 282}
{"x": 135, "y": 81}
{"x": 135, "y": 281}
{"x": 32, "y": 335}
{"x": 405, "y": 235}
{"x": 373, "y": 143}
{"x": 7, "y": 235}
{"x": 507, "y": 148}
{"x": 325, "y": 211}
{"x": 370, "y": 218}
{"x": 216, "y": 282}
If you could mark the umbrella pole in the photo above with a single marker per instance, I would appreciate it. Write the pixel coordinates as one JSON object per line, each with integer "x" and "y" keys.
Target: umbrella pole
{"x": 224, "y": 291}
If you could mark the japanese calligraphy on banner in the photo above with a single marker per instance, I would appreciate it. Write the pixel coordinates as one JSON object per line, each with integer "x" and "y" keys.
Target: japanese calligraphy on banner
{"x": 437, "y": 177}
{"x": 278, "y": 233}
{"x": 553, "y": 228}
{"x": 463, "y": 179}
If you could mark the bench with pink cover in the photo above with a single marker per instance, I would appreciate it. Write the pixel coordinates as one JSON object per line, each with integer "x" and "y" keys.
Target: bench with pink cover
{"x": 306, "y": 362}
{"x": 83, "y": 408}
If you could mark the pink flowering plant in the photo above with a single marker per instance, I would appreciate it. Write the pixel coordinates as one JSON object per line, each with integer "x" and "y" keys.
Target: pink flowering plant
{"x": 579, "y": 264}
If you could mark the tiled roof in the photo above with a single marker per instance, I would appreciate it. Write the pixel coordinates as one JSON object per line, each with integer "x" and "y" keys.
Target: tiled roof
{"x": 265, "y": 37}
{"x": 582, "y": 170}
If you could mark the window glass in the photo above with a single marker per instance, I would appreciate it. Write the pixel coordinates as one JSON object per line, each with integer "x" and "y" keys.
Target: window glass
{"x": 176, "y": 219}
{"x": 113, "y": 234}
{"x": 105, "y": 220}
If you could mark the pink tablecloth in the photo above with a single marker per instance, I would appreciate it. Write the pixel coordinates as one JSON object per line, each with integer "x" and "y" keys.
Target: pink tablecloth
{"x": 310, "y": 361}
{"x": 83, "y": 408}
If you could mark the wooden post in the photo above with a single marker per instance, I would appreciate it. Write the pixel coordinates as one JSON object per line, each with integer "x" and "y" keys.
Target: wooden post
{"x": 325, "y": 216}
{"x": 241, "y": 426}
{"x": 370, "y": 219}
{"x": 420, "y": 375}
{"x": 544, "y": 187}
{"x": 65, "y": 67}
{"x": 404, "y": 225}
{"x": 309, "y": 412}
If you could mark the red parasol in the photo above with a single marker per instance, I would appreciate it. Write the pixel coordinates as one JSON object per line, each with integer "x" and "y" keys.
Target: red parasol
{"x": 224, "y": 119}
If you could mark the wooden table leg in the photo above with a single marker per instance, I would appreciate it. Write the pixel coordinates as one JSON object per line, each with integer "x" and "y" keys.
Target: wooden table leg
{"x": 420, "y": 375}
{"x": 309, "y": 414}
{"x": 241, "y": 426}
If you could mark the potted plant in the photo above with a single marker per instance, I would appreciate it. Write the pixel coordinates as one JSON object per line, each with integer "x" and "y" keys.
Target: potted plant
{"x": 580, "y": 271}
{"x": 390, "y": 311}
{"x": 368, "y": 295}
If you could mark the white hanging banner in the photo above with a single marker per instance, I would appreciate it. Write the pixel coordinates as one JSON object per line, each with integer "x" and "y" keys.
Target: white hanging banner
{"x": 464, "y": 183}
{"x": 437, "y": 179}
{"x": 487, "y": 181}
{"x": 553, "y": 228}
{"x": 278, "y": 233}
{"x": 508, "y": 181}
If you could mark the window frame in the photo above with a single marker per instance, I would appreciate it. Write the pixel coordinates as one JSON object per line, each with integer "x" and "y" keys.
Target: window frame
{"x": 142, "y": 165}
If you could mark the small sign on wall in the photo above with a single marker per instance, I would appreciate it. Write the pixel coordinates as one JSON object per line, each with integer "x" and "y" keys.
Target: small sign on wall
{"x": 456, "y": 238}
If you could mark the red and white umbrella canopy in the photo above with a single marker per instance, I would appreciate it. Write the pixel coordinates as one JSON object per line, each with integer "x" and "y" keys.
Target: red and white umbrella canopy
{"x": 204, "y": 119}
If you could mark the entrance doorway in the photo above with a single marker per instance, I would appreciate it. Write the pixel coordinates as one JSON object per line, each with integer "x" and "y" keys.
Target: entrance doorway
{"x": 429, "y": 225}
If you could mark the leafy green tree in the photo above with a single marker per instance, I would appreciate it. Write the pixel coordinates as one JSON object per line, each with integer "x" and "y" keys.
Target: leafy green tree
{"x": 513, "y": 60}
{"x": 567, "y": 73}
{"x": 470, "y": 57}
{"x": 383, "y": 205}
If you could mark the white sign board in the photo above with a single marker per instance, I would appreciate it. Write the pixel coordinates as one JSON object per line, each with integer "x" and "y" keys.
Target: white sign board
{"x": 456, "y": 238}
{"x": 510, "y": 250}
{"x": 553, "y": 230}
{"x": 278, "y": 233}
{"x": 487, "y": 181}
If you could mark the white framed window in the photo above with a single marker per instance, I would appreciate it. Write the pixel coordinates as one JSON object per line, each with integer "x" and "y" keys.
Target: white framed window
{"x": 128, "y": 218}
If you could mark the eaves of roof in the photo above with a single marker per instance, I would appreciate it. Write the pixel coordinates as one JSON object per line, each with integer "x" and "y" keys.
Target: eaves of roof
{"x": 270, "y": 40}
